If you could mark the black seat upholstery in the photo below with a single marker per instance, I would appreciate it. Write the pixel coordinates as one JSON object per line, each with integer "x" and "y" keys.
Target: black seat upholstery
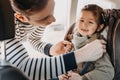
{"x": 10, "y": 73}
{"x": 113, "y": 39}
{"x": 6, "y": 20}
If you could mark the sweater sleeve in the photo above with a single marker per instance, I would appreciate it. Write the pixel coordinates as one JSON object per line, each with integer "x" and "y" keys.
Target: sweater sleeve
{"x": 34, "y": 36}
{"x": 35, "y": 39}
{"x": 103, "y": 70}
{"x": 38, "y": 68}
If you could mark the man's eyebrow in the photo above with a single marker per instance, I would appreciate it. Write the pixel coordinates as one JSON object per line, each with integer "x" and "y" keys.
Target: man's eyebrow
{"x": 45, "y": 18}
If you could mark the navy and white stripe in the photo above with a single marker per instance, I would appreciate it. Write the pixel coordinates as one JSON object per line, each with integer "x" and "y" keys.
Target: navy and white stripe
{"x": 34, "y": 36}
{"x": 37, "y": 68}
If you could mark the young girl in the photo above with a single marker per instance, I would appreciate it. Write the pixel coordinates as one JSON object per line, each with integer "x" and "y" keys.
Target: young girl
{"x": 88, "y": 28}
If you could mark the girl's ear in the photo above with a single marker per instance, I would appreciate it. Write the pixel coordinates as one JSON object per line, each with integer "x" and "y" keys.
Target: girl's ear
{"x": 21, "y": 17}
{"x": 100, "y": 27}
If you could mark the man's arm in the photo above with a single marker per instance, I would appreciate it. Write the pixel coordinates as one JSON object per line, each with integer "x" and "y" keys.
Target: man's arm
{"x": 38, "y": 68}
{"x": 35, "y": 39}
{"x": 50, "y": 67}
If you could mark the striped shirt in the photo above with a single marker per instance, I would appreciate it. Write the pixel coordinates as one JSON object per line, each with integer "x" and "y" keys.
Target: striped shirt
{"x": 37, "y": 68}
{"x": 33, "y": 34}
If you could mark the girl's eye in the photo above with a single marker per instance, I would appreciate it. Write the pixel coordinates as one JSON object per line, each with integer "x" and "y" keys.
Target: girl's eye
{"x": 91, "y": 22}
{"x": 81, "y": 20}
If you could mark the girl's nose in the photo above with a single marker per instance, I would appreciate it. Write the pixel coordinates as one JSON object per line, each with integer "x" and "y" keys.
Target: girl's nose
{"x": 85, "y": 25}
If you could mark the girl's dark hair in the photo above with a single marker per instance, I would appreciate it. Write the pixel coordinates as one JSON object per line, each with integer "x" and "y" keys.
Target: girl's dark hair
{"x": 26, "y": 7}
{"x": 97, "y": 12}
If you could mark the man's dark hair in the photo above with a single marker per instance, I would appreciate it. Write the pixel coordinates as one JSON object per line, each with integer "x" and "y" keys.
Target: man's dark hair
{"x": 26, "y": 7}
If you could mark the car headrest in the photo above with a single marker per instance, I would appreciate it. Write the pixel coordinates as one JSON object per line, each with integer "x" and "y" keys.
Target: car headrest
{"x": 7, "y": 29}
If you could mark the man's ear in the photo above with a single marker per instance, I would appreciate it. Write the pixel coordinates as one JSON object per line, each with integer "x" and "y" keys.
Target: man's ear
{"x": 21, "y": 17}
{"x": 100, "y": 27}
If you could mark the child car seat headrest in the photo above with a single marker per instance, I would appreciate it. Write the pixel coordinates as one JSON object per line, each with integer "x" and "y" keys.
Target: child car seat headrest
{"x": 6, "y": 20}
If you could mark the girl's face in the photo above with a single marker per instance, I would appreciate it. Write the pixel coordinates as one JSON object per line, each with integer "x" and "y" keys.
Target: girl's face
{"x": 87, "y": 24}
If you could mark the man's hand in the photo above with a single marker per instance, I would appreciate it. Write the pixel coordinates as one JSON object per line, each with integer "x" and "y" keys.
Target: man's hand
{"x": 91, "y": 51}
{"x": 61, "y": 48}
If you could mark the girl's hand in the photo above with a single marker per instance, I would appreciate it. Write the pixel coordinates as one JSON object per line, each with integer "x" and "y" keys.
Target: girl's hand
{"x": 63, "y": 77}
{"x": 74, "y": 76}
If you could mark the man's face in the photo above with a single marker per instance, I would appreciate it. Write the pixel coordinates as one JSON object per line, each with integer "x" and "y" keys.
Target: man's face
{"x": 44, "y": 17}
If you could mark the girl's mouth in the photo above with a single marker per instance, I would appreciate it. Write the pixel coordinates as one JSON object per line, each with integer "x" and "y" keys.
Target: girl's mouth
{"x": 84, "y": 30}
